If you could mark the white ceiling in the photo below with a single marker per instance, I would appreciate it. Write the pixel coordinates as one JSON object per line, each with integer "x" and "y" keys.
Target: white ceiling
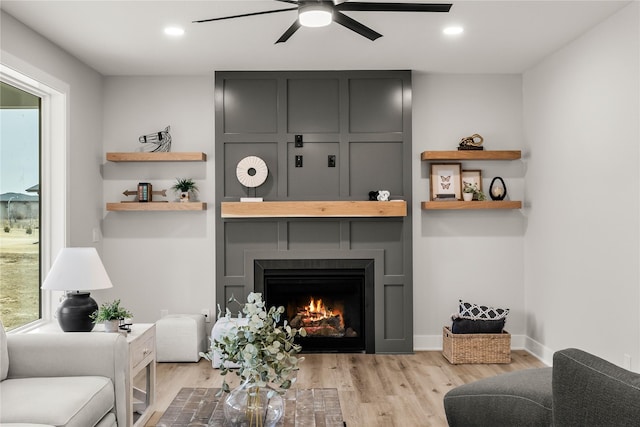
{"x": 126, "y": 37}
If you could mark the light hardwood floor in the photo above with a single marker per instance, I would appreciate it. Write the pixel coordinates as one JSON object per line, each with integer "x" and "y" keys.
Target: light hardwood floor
{"x": 375, "y": 390}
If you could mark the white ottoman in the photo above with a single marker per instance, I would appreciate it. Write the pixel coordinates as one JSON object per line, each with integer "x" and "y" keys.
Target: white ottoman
{"x": 221, "y": 326}
{"x": 180, "y": 338}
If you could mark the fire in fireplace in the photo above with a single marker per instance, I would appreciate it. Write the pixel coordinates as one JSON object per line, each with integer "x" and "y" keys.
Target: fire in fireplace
{"x": 320, "y": 320}
{"x": 331, "y": 299}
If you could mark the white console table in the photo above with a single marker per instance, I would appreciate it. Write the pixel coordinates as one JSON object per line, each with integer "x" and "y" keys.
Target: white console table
{"x": 142, "y": 357}
{"x": 142, "y": 360}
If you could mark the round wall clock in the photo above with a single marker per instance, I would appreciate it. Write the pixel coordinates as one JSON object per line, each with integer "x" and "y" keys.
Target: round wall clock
{"x": 252, "y": 171}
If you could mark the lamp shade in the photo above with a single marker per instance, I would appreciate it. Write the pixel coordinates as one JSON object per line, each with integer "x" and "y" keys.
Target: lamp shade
{"x": 77, "y": 269}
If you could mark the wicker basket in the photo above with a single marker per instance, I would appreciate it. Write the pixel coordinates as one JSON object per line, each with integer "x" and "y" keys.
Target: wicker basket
{"x": 476, "y": 348}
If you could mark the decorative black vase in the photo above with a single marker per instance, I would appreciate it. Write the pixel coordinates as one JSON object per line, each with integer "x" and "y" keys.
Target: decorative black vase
{"x": 497, "y": 190}
{"x": 74, "y": 312}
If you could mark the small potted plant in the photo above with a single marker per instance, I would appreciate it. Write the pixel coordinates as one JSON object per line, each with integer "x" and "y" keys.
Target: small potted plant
{"x": 185, "y": 186}
{"x": 470, "y": 192}
{"x": 110, "y": 313}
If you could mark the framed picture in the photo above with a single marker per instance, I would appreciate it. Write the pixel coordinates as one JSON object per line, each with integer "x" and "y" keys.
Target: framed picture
{"x": 446, "y": 183}
{"x": 472, "y": 177}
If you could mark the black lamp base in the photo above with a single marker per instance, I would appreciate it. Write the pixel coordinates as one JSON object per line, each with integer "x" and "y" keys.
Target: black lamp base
{"x": 74, "y": 312}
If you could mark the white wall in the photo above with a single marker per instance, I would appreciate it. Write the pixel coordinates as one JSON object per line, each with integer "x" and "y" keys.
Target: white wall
{"x": 159, "y": 260}
{"x": 474, "y": 255}
{"x": 581, "y": 243}
{"x": 35, "y": 56}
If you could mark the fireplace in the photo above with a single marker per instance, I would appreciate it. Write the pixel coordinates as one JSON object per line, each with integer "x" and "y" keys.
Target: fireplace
{"x": 333, "y": 299}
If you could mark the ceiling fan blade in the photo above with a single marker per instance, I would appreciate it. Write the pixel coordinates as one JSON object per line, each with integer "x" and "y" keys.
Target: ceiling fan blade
{"x": 244, "y": 14}
{"x": 394, "y": 7}
{"x": 354, "y": 25}
{"x": 292, "y": 29}
{"x": 289, "y": 1}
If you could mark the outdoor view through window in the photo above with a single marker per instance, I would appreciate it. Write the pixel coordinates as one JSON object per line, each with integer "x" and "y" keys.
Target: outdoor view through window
{"x": 19, "y": 207}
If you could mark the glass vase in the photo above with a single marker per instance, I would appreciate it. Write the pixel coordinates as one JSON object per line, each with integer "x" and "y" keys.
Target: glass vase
{"x": 251, "y": 406}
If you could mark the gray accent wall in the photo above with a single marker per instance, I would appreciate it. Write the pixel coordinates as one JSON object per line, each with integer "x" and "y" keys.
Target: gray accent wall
{"x": 363, "y": 118}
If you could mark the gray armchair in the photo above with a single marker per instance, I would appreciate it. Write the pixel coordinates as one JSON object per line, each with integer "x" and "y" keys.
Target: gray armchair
{"x": 64, "y": 379}
{"x": 581, "y": 390}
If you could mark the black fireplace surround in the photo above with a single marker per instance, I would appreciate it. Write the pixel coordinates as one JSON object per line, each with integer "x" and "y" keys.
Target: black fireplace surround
{"x": 332, "y": 298}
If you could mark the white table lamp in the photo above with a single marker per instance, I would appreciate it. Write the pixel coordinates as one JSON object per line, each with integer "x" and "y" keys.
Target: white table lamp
{"x": 77, "y": 270}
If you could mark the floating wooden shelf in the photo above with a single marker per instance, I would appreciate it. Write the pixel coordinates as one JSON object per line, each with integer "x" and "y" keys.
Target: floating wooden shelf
{"x": 157, "y": 206}
{"x": 157, "y": 157}
{"x": 460, "y": 205}
{"x": 471, "y": 155}
{"x": 303, "y": 209}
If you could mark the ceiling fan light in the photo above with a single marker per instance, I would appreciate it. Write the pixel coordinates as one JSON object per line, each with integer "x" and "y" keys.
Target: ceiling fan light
{"x": 315, "y": 16}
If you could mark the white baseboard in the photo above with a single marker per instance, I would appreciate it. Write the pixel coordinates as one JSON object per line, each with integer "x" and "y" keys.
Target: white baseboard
{"x": 544, "y": 354}
{"x": 518, "y": 342}
{"x": 427, "y": 342}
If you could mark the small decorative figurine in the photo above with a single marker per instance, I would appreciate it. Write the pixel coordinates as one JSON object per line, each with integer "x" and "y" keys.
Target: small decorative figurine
{"x": 381, "y": 195}
{"x": 473, "y": 142}
{"x": 161, "y": 139}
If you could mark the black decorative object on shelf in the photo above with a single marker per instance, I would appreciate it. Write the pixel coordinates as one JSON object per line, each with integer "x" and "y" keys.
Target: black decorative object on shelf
{"x": 159, "y": 142}
{"x": 497, "y": 190}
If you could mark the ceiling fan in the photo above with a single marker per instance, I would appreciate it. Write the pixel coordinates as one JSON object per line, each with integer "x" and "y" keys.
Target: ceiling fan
{"x": 318, "y": 13}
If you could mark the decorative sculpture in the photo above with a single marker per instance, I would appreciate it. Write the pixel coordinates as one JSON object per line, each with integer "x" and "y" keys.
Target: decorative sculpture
{"x": 161, "y": 139}
{"x": 497, "y": 189}
{"x": 381, "y": 195}
{"x": 252, "y": 172}
{"x": 473, "y": 142}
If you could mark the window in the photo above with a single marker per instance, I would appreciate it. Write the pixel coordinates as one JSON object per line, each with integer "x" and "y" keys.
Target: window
{"x": 20, "y": 225}
{"x": 52, "y": 176}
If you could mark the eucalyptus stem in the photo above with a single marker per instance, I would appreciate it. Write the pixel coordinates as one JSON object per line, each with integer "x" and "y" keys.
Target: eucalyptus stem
{"x": 254, "y": 408}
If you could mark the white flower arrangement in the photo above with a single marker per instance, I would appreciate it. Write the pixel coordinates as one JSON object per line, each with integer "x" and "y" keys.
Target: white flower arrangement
{"x": 265, "y": 351}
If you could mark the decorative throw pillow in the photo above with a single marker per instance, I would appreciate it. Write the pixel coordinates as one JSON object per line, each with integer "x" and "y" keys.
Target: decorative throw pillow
{"x": 466, "y": 326}
{"x": 480, "y": 312}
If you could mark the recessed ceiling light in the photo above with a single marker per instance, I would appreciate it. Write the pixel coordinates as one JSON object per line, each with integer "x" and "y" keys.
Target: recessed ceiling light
{"x": 453, "y": 30}
{"x": 174, "y": 31}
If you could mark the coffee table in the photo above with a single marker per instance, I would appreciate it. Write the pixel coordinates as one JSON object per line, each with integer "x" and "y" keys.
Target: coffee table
{"x": 314, "y": 407}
